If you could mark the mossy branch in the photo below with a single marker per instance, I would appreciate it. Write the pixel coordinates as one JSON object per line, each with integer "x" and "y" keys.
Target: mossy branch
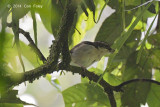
{"x": 60, "y": 46}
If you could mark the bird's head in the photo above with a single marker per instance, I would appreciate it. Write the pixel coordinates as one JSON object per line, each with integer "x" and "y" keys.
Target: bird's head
{"x": 103, "y": 47}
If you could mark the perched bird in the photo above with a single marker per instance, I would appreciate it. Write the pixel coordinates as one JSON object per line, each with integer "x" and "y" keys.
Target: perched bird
{"x": 86, "y": 53}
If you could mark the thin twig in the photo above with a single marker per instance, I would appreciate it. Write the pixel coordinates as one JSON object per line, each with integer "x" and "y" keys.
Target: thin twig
{"x": 119, "y": 87}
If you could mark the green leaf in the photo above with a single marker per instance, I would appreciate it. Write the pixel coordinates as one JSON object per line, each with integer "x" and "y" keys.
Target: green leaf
{"x": 31, "y": 57}
{"x": 132, "y": 2}
{"x": 45, "y": 14}
{"x": 90, "y": 4}
{"x": 100, "y": 64}
{"x": 122, "y": 39}
{"x": 10, "y": 53}
{"x": 86, "y": 95}
{"x": 106, "y": 2}
{"x": 128, "y": 48}
{"x": 112, "y": 79}
{"x": 19, "y": 9}
{"x": 136, "y": 93}
{"x": 155, "y": 58}
{"x": 112, "y": 28}
{"x": 56, "y": 15}
{"x": 84, "y": 9}
{"x": 3, "y": 7}
{"x": 144, "y": 41}
{"x": 154, "y": 39}
{"x": 15, "y": 21}
{"x": 83, "y": 25}
{"x": 34, "y": 25}
{"x": 51, "y": 14}
{"x": 96, "y": 70}
{"x": 10, "y": 105}
{"x": 153, "y": 99}
{"x": 114, "y": 4}
{"x": 125, "y": 35}
{"x": 10, "y": 98}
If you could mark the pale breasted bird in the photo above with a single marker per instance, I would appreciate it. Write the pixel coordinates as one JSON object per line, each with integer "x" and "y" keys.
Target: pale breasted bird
{"x": 86, "y": 53}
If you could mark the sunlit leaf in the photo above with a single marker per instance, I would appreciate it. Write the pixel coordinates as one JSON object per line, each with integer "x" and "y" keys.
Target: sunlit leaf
{"x": 112, "y": 79}
{"x": 84, "y": 23}
{"x": 34, "y": 25}
{"x": 10, "y": 98}
{"x": 85, "y": 95}
{"x": 100, "y": 64}
{"x": 15, "y": 21}
{"x": 11, "y": 52}
{"x": 144, "y": 40}
{"x": 112, "y": 28}
{"x": 84, "y": 9}
{"x": 51, "y": 14}
{"x": 90, "y": 4}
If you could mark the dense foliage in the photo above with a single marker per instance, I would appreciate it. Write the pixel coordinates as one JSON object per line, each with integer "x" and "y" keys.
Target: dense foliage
{"x": 136, "y": 43}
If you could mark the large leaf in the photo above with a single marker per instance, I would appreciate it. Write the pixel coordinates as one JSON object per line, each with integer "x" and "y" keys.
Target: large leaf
{"x": 154, "y": 39}
{"x": 51, "y": 14}
{"x": 84, "y": 23}
{"x": 34, "y": 25}
{"x": 155, "y": 58}
{"x": 144, "y": 40}
{"x": 11, "y": 53}
{"x": 112, "y": 28}
{"x": 112, "y": 79}
{"x": 135, "y": 94}
{"x": 4, "y": 7}
{"x": 153, "y": 98}
{"x": 122, "y": 39}
{"x": 129, "y": 47}
{"x": 19, "y": 8}
{"x": 9, "y": 99}
{"x": 86, "y": 95}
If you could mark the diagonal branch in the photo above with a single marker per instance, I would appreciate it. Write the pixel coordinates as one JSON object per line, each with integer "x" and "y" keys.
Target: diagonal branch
{"x": 61, "y": 46}
{"x": 50, "y": 68}
{"x": 93, "y": 77}
{"x": 32, "y": 44}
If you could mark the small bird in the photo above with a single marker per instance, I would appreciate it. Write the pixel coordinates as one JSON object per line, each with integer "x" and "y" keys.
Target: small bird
{"x": 86, "y": 53}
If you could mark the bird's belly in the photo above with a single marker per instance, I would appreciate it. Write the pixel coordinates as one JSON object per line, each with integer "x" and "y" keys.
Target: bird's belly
{"x": 84, "y": 59}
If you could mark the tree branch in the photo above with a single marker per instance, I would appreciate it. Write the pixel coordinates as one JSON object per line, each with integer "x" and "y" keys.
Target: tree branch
{"x": 49, "y": 68}
{"x": 61, "y": 46}
{"x": 58, "y": 46}
{"x": 62, "y": 36}
{"x": 119, "y": 87}
{"x": 32, "y": 44}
